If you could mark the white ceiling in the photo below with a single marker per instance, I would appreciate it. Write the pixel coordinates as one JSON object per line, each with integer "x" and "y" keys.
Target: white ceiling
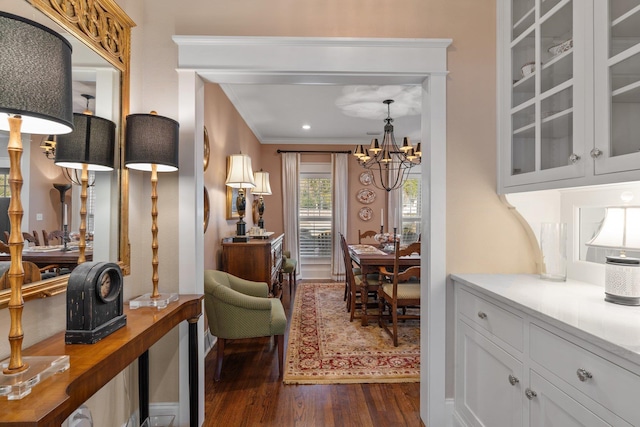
{"x": 275, "y": 113}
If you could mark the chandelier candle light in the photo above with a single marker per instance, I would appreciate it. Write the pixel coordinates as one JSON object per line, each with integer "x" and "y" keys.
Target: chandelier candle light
{"x": 35, "y": 97}
{"x": 152, "y": 145}
{"x": 388, "y": 162}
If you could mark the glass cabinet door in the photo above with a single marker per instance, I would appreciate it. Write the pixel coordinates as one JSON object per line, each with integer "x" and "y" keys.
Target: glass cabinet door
{"x": 542, "y": 96}
{"x": 617, "y": 82}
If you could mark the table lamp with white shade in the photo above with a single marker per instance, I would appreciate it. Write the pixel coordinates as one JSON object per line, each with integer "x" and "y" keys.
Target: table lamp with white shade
{"x": 35, "y": 97}
{"x": 240, "y": 176}
{"x": 620, "y": 231}
{"x": 263, "y": 188}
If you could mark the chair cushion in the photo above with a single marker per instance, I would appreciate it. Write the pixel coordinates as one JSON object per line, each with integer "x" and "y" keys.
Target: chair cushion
{"x": 405, "y": 290}
{"x": 372, "y": 279}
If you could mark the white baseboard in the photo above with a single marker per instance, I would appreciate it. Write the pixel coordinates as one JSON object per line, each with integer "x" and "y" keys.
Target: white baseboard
{"x": 449, "y": 409}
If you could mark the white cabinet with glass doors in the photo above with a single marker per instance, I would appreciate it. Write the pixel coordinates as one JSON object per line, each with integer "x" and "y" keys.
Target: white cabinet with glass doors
{"x": 567, "y": 93}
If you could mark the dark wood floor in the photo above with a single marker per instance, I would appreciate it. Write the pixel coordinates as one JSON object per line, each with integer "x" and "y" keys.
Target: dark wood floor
{"x": 251, "y": 394}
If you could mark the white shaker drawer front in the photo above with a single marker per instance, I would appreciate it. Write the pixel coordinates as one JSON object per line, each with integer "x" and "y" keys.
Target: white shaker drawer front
{"x": 612, "y": 386}
{"x": 501, "y": 323}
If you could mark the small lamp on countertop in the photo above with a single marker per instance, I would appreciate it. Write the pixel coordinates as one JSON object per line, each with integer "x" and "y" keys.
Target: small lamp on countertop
{"x": 240, "y": 176}
{"x": 263, "y": 188}
{"x": 35, "y": 97}
{"x": 152, "y": 145}
{"x": 620, "y": 231}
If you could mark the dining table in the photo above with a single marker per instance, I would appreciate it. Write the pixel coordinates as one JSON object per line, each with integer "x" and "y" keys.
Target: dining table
{"x": 43, "y": 256}
{"x": 370, "y": 258}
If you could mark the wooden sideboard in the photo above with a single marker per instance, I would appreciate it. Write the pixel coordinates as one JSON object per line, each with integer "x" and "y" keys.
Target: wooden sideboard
{"x": 259, "y": 260}
{"x": 94, "y": 365}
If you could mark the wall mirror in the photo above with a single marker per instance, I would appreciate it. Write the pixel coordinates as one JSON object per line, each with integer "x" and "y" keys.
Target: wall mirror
{"x": 99, "y": 32}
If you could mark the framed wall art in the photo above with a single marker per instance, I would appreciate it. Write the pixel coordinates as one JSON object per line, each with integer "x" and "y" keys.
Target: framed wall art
{"x": 232, "y": 210}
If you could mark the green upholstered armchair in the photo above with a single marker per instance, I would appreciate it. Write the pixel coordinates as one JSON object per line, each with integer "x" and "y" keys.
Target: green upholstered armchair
{"x": 237, "y": 308}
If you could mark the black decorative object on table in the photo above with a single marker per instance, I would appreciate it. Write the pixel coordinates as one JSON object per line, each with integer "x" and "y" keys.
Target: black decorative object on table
{"x": 94, "y": 302}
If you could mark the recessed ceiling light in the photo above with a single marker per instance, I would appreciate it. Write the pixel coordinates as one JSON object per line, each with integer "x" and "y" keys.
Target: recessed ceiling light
{"x": 306, "y": 127}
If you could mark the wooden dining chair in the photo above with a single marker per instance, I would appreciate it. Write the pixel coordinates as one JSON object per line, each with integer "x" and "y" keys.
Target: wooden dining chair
{"x": 353, "y": 281}
{"x": 31, "y": 238}
{"x": 402, "y": 293}
{"x": 45, "y": 238}
{"x": 57, "y": 235}
{"x": 365, "y": 234}
{"x": 36, "y": 238}
{"x": 31, "y": 273}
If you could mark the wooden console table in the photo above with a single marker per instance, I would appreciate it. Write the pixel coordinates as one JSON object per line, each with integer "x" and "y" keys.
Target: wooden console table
{"x": 94, "y": 365}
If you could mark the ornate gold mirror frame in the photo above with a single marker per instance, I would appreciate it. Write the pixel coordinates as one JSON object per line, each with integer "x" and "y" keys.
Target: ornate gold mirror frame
{"x": 104, "y": 27}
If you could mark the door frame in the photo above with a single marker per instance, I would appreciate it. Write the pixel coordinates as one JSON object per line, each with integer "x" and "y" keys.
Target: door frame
{"x": 313, "y": 60}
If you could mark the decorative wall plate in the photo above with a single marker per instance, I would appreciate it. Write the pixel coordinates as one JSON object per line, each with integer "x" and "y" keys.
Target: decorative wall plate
{"x": 366, "y": 196}
{"x": 365, "y": 213}
{"x": 207, "y": 149}
{"x": 366, "y": 178}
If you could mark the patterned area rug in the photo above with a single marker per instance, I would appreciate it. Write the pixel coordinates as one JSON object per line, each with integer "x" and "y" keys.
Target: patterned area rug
{"x": 325, "y": 348}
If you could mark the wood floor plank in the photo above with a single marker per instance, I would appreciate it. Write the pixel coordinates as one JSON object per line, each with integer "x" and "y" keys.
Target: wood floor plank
{"x": 251, "y": 393}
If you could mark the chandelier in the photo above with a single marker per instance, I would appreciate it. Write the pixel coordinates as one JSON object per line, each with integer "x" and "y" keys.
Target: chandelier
{"x": 388, "y": 162}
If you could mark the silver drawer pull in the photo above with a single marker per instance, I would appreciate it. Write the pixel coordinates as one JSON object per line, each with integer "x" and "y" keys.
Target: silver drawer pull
{"x": 583, "y": 374}
{"x": 530, "y": 394}
{"x": 595, "y": 153}
{"x": 482, "y": 315}
{"x": 513, "y": 380}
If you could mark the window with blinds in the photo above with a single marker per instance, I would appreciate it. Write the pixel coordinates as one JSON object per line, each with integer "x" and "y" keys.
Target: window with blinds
{"x": 315, "y": 214}
{"x": 411, "y": 207}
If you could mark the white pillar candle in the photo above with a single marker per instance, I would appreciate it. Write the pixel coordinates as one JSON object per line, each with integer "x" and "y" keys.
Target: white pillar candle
{"x": 65, "y": 216}
{"x": 382, "y": 217}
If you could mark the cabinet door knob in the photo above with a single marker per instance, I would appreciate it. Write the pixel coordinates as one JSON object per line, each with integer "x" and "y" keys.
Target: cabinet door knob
{"x": 583, "y": 374}
{"x": 595, "y": 153}
{"x": 530, "y": 394}
{"x": 513, "y": 380}
{"x": 482, "y": 315}
{"x": 574, "y": 158}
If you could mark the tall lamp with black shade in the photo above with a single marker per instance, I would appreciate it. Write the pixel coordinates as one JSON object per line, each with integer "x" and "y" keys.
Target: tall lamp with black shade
{"x": 152, "y": 145}
{"x": 91, "y": 146}
{"x": 35, "y": 97}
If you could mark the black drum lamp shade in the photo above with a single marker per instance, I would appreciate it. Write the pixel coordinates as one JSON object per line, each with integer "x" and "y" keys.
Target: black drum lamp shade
{"x": 151, "y": 140}
{"x": 91, "y": 143}
{"x": 35, "y": 97}
{"x": 35, "y": 77}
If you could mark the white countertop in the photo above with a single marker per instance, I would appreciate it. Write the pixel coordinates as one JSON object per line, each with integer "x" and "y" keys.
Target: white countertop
{"x": 577, "y": 307}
